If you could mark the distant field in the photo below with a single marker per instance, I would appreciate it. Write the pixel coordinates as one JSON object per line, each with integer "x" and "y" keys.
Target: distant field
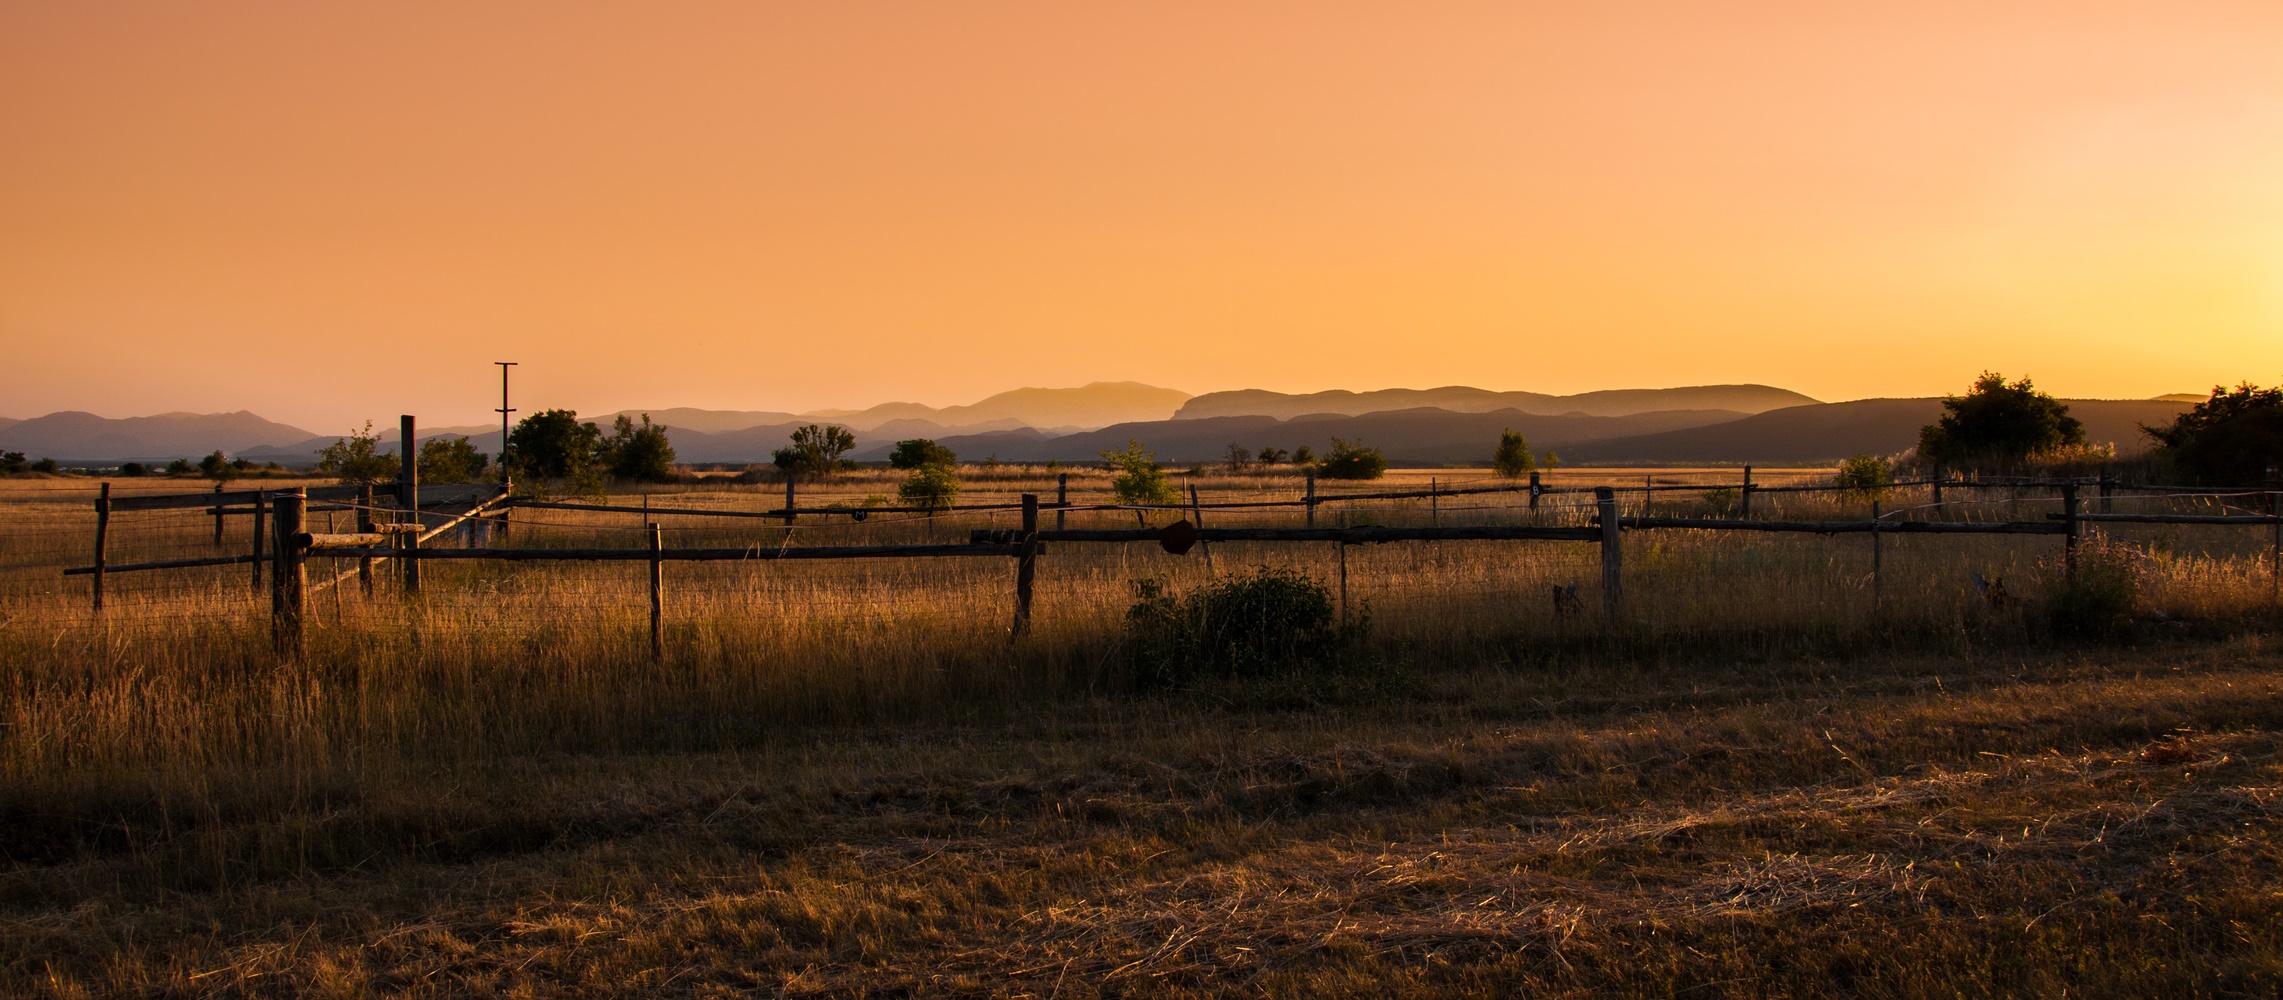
{"x": 845, "y": 779}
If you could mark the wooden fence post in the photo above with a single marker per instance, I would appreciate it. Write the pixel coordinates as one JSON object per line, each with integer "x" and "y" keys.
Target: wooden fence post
{"x": 1878, "y": 594}
{"x": 1061, "y": 498}
{"x": 1197, "y": 516}
{"x": 1434, "y": 502}
{"x": 1343, "y": 549}
{"x": 1026, "y": 567}
{"x": 217, "y": 512}
{"x": 287, "y": 581}
{"x": 2074, "y": 526}
{"x": 788, "y": 496}
{"x": 1311, "y": 498}
{"x": 2108, "y": 484}
{"x": 657, "y": 596}
{"x": 1744, "y": 509}
{"x": 1612, "y": 551}
{"x": 102, "y": 540}
{"x": 365, "y": 527}
{"x": 1938, "y": 487}
{"x": 408, "y": 495}
{"x": 261, "y": 528}
{"x": 2275, "y": 563}
{"x": 1535, "y": 489}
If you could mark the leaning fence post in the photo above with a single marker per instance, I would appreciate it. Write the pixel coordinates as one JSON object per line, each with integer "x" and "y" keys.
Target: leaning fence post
{"x": 286, "y": 577}
{"x": 1744, "y": 510}
{"x": 102, "y": 540}
{"x": 1612, "y": 552}
{"x": 1026, "y": 567}
{"x": 408, "y": 494}
{"x": 261, "y": 528}
{"x": 365, "y": 527}
{"x": 1311, "y": 501}
{"x": 657, "y": 595}
{"x": 2073, "y": 526}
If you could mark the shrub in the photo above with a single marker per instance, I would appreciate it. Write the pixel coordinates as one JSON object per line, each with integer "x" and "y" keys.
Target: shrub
{"x": 1352, "y": 460}
{"x": 48, "y": 465}
{"x": 637, "y": 453}
{"x": 929, "y": 486}
{"x": 180, "y": 467}
{"x": 1140, "y": 479}
{"x": 134, "y": 469}
{"x": 2234, "y": 438}
{"x": 1241, "y": 626}
{"x": 2098, "y": 601}
{"x": 450, "y": 460}
{"x": 1998, "y": 423}
{"x": 13, "y": 461}
{"x": 1303, "y": 455}
{"x": 1868, "y": 477}
{"x": 1274, "y": 456}
{"x": 917, "y": 453}
{"x": 216, "y": 467}
{"x": 1512, "y": 457}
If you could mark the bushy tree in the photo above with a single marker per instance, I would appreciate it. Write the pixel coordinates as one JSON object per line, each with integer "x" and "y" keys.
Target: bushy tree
{"x": 13, "y": 461}
{"x": 134, "y": 469}
{"x": 638, "y": 453}
{"x": 553, "y": 444}
{"x": 2234, "y": 438}
{"x": 450, "y": 460}
{"x": 180, "y": 467}
{"x": 1998, "y": 423}
{"x": 1512, "y": 457}
{"x": 1868, "y": 477}
{"x": 217, "y": 467}
{"x": 47, "y": 465}
{"x": 1352, "y": 460}
{"x": 1303, "y": 455}
{"x": 1274, "y": 456}
{"x": 929, "y": 486}
{"x": 1140, "y": 479}
{"x": 919, "y": 453}
{"x": 356, "y": 460}
{"x": 816, "y": 450}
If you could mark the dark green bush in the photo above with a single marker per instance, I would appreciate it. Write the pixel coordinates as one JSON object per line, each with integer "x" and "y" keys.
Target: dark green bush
{"x": 1270, "y": 622}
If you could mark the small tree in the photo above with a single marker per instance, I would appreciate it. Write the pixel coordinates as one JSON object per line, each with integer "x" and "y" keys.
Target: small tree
{"x": 356, "y": 460}
{"x": 13, "y": 461}
{"x": 217, "y": 467}
{"x": 638, "y": 453}
{"x": 46, "y": 465}
{"x": 1274, "y": 456}
{"x": 919, "y": 453}
{"x": 2000, "y": 423}
{"x": 816, "y": 450}
{"x": 1140, "y": 479}
{"x": 1239, "y": 457}
{"x": 134, "y": 469}
{"x": 1553, "y": 460}
{"x": 450, "y": 460}
{"x": 1512, "y": 459}
{"x": 553, "y": 444}
{"x": 929, "y": 486}
{"x": 1868, "y": 477}
{"x": 1303, "y": 455}
{"x": 180, "y": 467}
{"x": 1353, "y": 460}
{"x": 2234, "y": 438}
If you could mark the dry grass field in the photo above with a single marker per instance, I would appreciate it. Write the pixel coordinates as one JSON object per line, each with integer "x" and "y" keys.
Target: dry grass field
{"x": 844, "y": 779}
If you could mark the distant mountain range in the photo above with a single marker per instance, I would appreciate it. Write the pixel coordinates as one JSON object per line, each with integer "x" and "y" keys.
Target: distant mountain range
{"x": 1714, "y": 424}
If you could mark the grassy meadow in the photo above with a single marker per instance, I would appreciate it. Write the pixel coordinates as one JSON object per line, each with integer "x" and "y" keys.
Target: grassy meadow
{"x": 844, "y": 779}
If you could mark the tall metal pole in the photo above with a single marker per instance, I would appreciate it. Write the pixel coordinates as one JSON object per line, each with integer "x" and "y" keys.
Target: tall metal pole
{"x": 504, "y": 410}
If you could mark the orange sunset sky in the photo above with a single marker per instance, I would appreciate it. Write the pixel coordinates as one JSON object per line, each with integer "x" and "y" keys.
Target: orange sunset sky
{"x": 325, "y": 212}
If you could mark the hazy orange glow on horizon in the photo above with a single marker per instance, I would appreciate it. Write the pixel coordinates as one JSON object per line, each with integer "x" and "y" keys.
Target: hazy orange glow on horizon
{"x": 756, "y": 206}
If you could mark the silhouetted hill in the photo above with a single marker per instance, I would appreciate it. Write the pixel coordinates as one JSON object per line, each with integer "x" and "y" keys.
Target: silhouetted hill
{"x": 1421, "y": 436}
{"x": 1827, "y": 432}
{"x": 75, "y": 436}
{"x": 1466, "y": 399}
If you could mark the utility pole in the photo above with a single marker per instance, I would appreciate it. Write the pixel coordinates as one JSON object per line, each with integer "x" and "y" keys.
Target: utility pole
{"x": 504, "y": 410}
